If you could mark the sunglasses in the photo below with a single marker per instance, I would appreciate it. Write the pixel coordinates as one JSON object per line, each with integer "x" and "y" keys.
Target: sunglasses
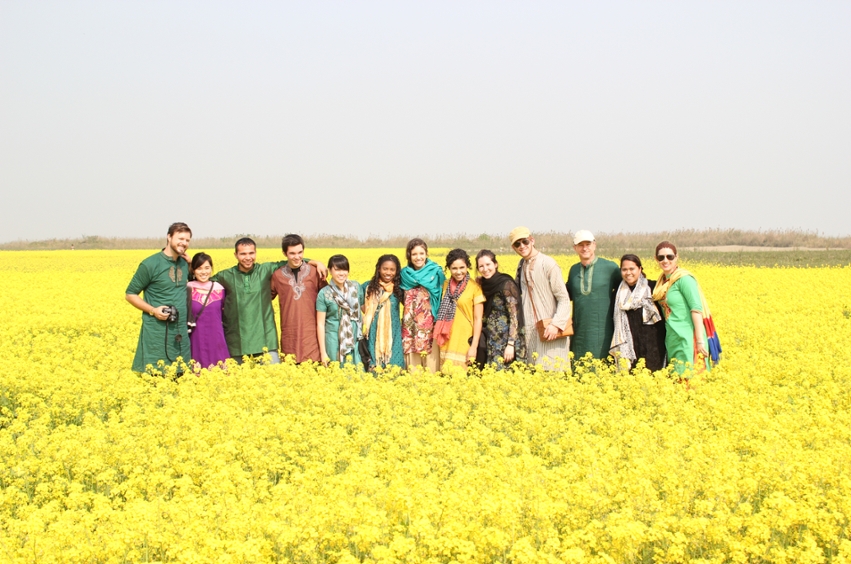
{"x": 519, "y": 242}
{"x": 660, "y": 258}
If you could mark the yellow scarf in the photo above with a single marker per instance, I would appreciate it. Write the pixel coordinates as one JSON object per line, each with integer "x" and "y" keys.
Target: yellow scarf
{"x": 664, "y": 284}
{"x": 384, "y": 325}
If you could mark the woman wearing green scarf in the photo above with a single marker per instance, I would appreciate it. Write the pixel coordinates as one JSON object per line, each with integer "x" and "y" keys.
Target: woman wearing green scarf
{"x": 422, "y": 281}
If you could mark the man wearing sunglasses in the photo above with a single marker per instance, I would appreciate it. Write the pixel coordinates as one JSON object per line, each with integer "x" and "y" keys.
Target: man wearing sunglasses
{"x": 544, "y": 299}
{"x": 592, "y": 284}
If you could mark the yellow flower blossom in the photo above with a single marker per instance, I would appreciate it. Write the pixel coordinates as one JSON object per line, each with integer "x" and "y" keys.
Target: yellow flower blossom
{"x": 286, "y": 463}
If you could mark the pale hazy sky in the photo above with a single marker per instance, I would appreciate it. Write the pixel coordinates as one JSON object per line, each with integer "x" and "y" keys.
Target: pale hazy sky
{"x": 118, "y": 118}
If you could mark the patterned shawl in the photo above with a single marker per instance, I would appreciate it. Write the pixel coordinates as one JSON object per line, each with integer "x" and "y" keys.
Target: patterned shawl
{"x": 446, "y": 313}
{"x": 491, "y": 286}
{"x": 376, "y": 305}
{"x": 627, "y": 299}
{"x": 350, "y": 318}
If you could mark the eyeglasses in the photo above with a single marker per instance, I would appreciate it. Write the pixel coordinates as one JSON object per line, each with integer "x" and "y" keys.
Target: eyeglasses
{"x": 660, "y": 258}
{"x": 519, "y": 242}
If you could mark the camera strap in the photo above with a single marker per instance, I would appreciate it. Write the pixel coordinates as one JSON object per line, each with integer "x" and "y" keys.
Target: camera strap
{"x": 194, "y": 318}
{"x": 206, "y": 299}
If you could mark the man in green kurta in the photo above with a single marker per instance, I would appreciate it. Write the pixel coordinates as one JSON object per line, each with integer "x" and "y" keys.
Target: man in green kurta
{"x": 247, "y": 314}
{"x": 162, "y": 278}
{"x": 592, "y": 285}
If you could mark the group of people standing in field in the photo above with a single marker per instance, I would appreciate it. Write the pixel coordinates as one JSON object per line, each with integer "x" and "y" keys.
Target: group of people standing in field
{"x": 415, "y": 317}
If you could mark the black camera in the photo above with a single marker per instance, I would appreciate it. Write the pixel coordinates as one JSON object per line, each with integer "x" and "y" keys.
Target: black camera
{"x": 171, "y": 312}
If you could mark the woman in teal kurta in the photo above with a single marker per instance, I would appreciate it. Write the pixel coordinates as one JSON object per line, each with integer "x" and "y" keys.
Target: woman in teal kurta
{"x": 338, "y": 314}
{"x": 383, "y": 297}
{"x": 679, "y": 295}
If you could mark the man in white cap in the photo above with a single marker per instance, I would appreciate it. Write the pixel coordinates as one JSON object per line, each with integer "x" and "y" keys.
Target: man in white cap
{"x": 592, "y": 284}
{"x": 544, "y": 298}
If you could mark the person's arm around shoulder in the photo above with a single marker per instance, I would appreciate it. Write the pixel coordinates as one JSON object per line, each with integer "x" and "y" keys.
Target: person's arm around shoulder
{"x": 321, "y": 279}
{"x": 220, "y": 278}
{"x": 319, "y": 266}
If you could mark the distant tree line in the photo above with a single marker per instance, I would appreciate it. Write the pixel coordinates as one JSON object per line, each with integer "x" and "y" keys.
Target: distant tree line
{"x": 553, "y": 242}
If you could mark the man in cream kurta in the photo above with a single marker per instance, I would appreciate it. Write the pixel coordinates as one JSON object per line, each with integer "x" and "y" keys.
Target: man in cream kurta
{"x": 544, "y": 296}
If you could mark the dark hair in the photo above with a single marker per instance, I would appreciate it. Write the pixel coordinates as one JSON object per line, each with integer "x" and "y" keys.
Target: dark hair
{"x": 244, "y": 242}
{"x": 413, "y": 243}
{"x": 666, "y": 245}
{"x": 339, "y": 262}
{"x": 199, "y": 259}
{"x": 374, "y": 287}
{"x": 291, "y": 240}
{"x": 632, "y": 258}
{"x": 456, "y": 254}
{"x": 178, "y": 227}
{"x": 486, "y": 253}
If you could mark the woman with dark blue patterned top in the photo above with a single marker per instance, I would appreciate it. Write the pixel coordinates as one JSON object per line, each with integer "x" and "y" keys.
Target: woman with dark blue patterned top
{"x": 503, "y": 316}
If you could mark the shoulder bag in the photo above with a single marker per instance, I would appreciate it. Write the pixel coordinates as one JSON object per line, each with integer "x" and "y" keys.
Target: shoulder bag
{"x": 542, "y": 324}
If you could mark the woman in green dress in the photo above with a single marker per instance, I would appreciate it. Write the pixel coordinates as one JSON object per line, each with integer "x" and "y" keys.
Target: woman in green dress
{"x": 338, "y": 314}
{"x": 684, "y": 308}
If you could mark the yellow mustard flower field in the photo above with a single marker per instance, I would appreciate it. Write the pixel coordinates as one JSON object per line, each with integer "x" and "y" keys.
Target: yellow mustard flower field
{"x": 749, "y": 463}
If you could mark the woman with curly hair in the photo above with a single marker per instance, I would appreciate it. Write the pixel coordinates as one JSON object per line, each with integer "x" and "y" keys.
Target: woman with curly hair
{"x": 382, "y": 325}
{"x": 459, "y": 319}
{"x": 503, "y": 330}
{"x": 422, "y": 282}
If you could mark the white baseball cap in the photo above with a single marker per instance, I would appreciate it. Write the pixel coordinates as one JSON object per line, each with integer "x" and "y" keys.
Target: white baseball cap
{"x": 582, "y": 235}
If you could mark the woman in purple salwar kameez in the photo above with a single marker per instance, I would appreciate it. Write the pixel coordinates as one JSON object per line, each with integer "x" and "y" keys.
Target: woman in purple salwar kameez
{"x": 206, "y": 300}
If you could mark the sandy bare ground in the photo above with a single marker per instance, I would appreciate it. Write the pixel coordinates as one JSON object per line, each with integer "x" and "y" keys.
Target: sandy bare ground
{"x": 751, "y": 249}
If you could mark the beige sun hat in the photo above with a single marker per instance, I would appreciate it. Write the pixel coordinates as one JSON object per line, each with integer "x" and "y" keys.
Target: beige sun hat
{"x": 519, "y": 233}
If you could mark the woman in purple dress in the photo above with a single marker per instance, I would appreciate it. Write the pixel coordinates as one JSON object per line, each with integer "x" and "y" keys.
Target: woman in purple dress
{"x": 207, "y": 337}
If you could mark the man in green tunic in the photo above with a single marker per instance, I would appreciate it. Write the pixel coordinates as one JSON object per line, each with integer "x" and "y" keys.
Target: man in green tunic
{"x": 162, "y": 278}
{"x": 247, "y": 314}
{"x": 592, "y": 285}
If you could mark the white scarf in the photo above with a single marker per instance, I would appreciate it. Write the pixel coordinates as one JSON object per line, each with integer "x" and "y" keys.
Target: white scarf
{"x": 350, "y": 317}
{"x": 626, "y": 299}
